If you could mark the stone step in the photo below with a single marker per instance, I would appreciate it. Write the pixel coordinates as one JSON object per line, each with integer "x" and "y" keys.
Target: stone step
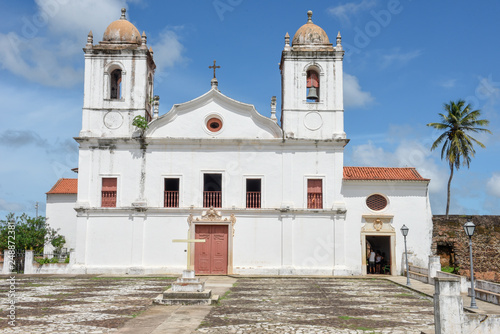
{"x": 186, "y": 301}
{"x": 171, "y": 294}
{"x": 188, "y": 286}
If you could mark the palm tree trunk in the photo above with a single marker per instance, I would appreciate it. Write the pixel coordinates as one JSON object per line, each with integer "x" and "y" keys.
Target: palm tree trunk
{"x": 449, "y": 187}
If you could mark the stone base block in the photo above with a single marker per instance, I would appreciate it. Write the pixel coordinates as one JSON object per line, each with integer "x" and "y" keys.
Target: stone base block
{"x": 170, "y": 297}
{"x": 182, "y": 286}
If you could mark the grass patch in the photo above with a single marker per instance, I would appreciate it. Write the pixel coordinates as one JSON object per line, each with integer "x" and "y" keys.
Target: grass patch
{"x": 127, "y": 278}
{"x": 137, "y": 314}
{"x": 403, "y": 295}
{"x": 451, "y": 270}
{"x": 365, "y": 328}
{"x": 34, "y": 284}
{"x": 204, "y": 323}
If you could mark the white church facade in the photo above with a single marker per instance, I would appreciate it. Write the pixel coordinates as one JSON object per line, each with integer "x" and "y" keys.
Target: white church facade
{"x": 267, "y": 197}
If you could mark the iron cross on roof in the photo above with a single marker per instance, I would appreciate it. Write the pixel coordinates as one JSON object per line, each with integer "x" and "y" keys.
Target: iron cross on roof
{"x": 214, "y": 67}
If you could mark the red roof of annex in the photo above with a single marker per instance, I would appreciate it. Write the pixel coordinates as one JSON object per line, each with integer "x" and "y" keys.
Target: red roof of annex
{"x": 382, "y": 174}
{"x": 64, "y": 186}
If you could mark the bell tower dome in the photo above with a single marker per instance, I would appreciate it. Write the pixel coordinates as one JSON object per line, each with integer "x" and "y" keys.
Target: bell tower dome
{"x": 312, "y": 84}
{"x": 119, "y": 76}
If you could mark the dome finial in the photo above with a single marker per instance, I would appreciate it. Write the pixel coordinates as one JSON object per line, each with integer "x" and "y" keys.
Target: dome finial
{"x": 123, "y": 17}
{"x": 309, "y": 16}
{"x": 90, "y": 39}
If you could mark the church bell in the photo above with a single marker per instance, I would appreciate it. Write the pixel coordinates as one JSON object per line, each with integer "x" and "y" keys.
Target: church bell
{"x": 313, "y": 94}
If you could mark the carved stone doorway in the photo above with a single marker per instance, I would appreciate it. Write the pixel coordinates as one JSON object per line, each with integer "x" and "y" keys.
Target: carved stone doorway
{"x": 209, "y": 258}
{"x": 379, "y": 234}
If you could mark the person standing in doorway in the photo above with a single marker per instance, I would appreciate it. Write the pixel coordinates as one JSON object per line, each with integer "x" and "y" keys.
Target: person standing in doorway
{"x": 371, "y": 261}
{"x": 378, "y": 262}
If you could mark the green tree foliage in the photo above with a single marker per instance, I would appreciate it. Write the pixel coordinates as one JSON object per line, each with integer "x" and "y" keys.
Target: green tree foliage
{"x": 457, "y": 124}
{"x": 30, "y": 233}
{"x": 140, "y": 122}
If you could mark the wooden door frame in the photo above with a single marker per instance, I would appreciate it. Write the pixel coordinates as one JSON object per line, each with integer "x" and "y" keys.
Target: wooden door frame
{"x": 378, "y": 226}
{"x": 213, "y": 218}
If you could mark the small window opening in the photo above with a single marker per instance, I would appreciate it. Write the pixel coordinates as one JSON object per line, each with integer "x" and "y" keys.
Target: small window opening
{"x": 312, "y": 86}
{"x": 212, "y": 190}
{"x": 171, "y": 198}
{"x": 116, "y": 85}
{"x": 254, "y": 193}
{"x": 376, "y": 202}
{"x": 315, "y": 194}
{"x": 214, "y": 124}
{"x": 108, "y": 193}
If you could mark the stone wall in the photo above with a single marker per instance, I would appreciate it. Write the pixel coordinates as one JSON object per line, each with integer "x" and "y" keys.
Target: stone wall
{"x": 450, "y": 242}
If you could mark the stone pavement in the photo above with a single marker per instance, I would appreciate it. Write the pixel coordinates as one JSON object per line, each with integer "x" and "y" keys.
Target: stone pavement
{"x": 319, "y": 305}
{"x": 87, "y": 304}
{"x": 428, "y": 289}
{"x": 177, "y": 319}
{"x": 76, "y": 304}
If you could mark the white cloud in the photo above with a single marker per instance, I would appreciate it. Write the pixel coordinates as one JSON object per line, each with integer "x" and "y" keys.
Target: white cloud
{"x": 168, "y": 50}
{"x": 398, "y": 58}
{"x": 493, "y": 185}
{"x": 354, "y": 96}
{"x": 343, "y": 12}
{"x": 46, "y": 49}
{"x": 10, "y": 206}
{"x": 77, "y": 18}
{"x": 448, "y": 83}
{"x": 36, "y": 61}
{"x": 406, "y": 154}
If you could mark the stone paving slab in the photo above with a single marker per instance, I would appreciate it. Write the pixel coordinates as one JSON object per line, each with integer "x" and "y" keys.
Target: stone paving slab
{"x": 319, "y": 305}
{"x": 89, "y": 304}
{"x": 77, "y": 304}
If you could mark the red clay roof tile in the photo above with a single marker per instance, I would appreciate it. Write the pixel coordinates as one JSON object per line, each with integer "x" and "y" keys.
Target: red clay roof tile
{"x": 382, "y": 173}
{"x": 64, "y": 186}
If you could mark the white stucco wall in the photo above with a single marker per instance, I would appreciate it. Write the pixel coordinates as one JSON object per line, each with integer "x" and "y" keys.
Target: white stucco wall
{"x": 60, "y": 214}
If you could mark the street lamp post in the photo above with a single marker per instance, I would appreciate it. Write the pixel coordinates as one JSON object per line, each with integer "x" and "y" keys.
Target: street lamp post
{"x": 404, "y": 231}
{"x": 469, "y": 228}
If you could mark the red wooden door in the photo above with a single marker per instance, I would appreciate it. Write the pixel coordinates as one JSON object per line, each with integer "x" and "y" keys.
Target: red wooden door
{"x": 210, "y": 257}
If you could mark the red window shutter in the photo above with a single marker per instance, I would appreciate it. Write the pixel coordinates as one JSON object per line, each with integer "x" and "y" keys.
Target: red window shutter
{"x": 315, "y": 194}
{"x": 108, "y": 193}
{"x": 109, "y": 184}
{"x": 314, "y": 186}
{"x": 312, "y": 79}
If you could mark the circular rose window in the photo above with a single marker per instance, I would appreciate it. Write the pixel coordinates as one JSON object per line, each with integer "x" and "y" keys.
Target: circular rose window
{"x": 214, "y": 124}
{"x": 376, "y": 202}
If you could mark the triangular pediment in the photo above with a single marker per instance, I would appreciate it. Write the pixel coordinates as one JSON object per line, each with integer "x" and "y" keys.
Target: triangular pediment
{"x": 190, "y": 120}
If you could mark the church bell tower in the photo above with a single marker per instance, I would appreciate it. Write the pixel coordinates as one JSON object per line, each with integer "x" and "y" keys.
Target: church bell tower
{"x": 119, "y": 76}
{"x": 312, "y": 85}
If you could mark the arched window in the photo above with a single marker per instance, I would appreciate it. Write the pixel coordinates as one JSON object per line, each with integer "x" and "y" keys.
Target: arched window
{"x": 116, "y": 85}
{"x": 312, "y": 86}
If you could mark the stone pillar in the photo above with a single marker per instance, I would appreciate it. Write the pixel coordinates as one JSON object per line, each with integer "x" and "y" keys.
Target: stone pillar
{"x": 28, "y": 262}
{"x": 448, "y": 306}
{"x": 7, "y": 260}
{"x": 434, "y": 267}
{"x": 72, "y": 257}
{"x": 287, "y": 267}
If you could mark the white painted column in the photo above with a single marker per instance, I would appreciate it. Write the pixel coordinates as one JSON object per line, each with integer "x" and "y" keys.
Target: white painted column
{"x": 339, "y": 247}
{"x": 286, "y": 245}
{"x": 137, "y": 241}
{"x": 434, "y": 267}
{"x": 7, "y": 262}
{"x": 28, "y": 262}
{"x": 81, "y": 240}
{"x": 448, "y": 306}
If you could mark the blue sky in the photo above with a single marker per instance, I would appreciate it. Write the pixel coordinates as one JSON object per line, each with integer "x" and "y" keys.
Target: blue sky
{"x": 404, "y": 59}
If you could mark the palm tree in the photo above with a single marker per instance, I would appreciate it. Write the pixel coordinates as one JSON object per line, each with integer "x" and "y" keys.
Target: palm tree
{"x": 458, "y": 145}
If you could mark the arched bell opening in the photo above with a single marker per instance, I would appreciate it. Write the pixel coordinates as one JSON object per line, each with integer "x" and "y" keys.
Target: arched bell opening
{"x": 313, "y": 86}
